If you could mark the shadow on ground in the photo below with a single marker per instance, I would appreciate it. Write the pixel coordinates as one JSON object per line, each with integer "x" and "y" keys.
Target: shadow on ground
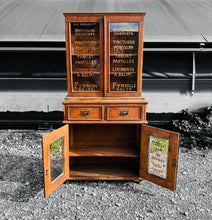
{"x": 21, "y": 177}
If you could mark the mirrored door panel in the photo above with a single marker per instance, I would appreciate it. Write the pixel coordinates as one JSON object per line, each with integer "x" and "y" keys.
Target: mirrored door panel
{"x": 86, "y": 57}
{"x": 55, "y": 158}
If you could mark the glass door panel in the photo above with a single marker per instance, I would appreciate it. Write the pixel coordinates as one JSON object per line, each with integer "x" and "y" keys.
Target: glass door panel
{"x": 123, "y": 62}
{"x": 85, "y": 57}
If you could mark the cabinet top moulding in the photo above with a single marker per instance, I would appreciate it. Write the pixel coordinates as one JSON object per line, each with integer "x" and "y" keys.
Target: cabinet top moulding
{"x": 106, "y": 14}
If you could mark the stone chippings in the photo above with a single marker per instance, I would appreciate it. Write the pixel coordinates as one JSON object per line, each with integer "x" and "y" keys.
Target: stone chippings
{"x": 22, "y": 189}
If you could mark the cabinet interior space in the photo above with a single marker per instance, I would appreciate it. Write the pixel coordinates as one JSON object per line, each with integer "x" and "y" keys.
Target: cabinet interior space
{"x": 104, "y": 168}
{"x": 104, "y": 151}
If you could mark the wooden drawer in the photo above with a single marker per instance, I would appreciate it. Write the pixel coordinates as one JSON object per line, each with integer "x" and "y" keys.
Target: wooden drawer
{"x": 84, "y": 113}
{"x": 124, "y": 113}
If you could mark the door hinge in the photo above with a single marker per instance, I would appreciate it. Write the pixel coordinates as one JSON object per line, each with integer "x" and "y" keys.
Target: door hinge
{"x": 174, "y": 162}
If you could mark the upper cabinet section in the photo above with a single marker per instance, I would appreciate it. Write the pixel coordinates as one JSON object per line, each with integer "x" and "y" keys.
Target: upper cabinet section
{"x": 104, "y": 53}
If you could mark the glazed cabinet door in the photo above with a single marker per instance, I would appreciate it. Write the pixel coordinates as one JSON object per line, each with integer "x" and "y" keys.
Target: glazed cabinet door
{"x": 159, "y": 156}
{"x": 124, "y": 55}
{"x": 55, "y": 159}
{"x": 84, "y": 50}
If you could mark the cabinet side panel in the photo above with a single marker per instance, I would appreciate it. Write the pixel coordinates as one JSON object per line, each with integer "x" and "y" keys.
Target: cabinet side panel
{"x": 67, "y": 36}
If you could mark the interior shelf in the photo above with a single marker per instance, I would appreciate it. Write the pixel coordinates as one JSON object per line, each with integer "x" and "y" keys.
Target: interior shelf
{"x": 122, "y": 72}
{"x": 103, "y": 151}
{"x": 103, "y": 172}
{"x": 85, "y": 72}
{"x": 85, "y": 54}
{"x": 124, "y": 54}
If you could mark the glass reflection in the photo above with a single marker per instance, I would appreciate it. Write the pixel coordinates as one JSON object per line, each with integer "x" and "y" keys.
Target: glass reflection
{"x": 85, "y": 51}
{"x": 56, "y": 158}
{"x": 85, "y": 38}
{"x": 85, "y": 63}
{"x": 86, "y": 82}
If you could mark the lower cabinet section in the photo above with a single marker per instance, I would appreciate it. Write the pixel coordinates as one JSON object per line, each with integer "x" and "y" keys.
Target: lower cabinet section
{"x": 110, "y": 152}
{"x": 104, "y": 152}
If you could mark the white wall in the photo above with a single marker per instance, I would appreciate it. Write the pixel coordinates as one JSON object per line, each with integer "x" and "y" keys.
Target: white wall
{"x": 32, "y": 101}
{"x": 174, "y": 101}
{"x": 159, "y": 101}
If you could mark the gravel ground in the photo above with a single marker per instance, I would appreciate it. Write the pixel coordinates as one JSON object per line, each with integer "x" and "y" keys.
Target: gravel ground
{"x": 22, "y": 189}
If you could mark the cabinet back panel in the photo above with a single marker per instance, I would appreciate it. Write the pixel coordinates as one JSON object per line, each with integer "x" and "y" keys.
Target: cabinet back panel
{"x": 105, "y": 160}
{"x": 104, "y": 168}
{"x": 104, "y": 135}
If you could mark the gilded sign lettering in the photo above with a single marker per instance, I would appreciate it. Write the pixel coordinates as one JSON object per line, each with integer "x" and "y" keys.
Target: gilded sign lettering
{"x": 123, "y": 69}
{"x": 124, "y": 47}
{"x": 84, "y": 24}
{"x": 93, "y": 62}
{"x": 123, "y": 86}
{"x": 125, "y": 33}
{"x": 85, "y": 87}
{"x": 122, "y": 74}
{"x": 85, "y": 34}
{"x": 123, "y": 61}
{"x": 86, "y": 42}
{"x": 85, "y": 30}
{"x": 158, "y": 156}
{"x": 123, "y": 41}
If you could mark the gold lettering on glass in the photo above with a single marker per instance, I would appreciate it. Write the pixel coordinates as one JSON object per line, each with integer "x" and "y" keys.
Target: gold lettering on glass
{"x": 85, "y": 43}
{"x": 123, "y": 56}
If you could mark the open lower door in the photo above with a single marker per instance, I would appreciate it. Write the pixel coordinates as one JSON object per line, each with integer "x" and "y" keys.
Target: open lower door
{"x": 55, "y": 159}
{"x": 159, "y": 156}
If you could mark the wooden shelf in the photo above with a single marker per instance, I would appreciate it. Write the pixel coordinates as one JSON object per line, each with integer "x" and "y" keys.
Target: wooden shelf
{"x": 85, "y": 54}
{"x": 124, "y": 54}
{"x": 122, "y": 72}
{"x": 103, "y": 151}
{"x": 85, "y": 72}
{"x": 104, "y": 172}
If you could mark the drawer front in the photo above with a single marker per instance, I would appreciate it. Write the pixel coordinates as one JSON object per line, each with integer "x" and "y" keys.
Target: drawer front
{"x": 84, "y": 113}
{"x": 124, "y": 113}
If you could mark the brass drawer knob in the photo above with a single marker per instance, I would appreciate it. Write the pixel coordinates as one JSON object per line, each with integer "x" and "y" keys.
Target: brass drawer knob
{"x": 123, "y": 113}
{"x": 84, "y": 113}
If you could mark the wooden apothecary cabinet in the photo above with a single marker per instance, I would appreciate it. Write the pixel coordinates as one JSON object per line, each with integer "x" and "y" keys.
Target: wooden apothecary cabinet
{"x": 106, "y": 136}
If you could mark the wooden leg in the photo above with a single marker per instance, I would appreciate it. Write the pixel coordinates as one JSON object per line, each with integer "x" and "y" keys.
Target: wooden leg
{"x": 140, "y": 181}
{"x": 67, "y": 181}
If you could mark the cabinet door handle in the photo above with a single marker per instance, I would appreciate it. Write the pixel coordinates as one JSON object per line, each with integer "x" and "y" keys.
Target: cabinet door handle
{"x": 84, "y": 113}
{"x": 123, "y": 113}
